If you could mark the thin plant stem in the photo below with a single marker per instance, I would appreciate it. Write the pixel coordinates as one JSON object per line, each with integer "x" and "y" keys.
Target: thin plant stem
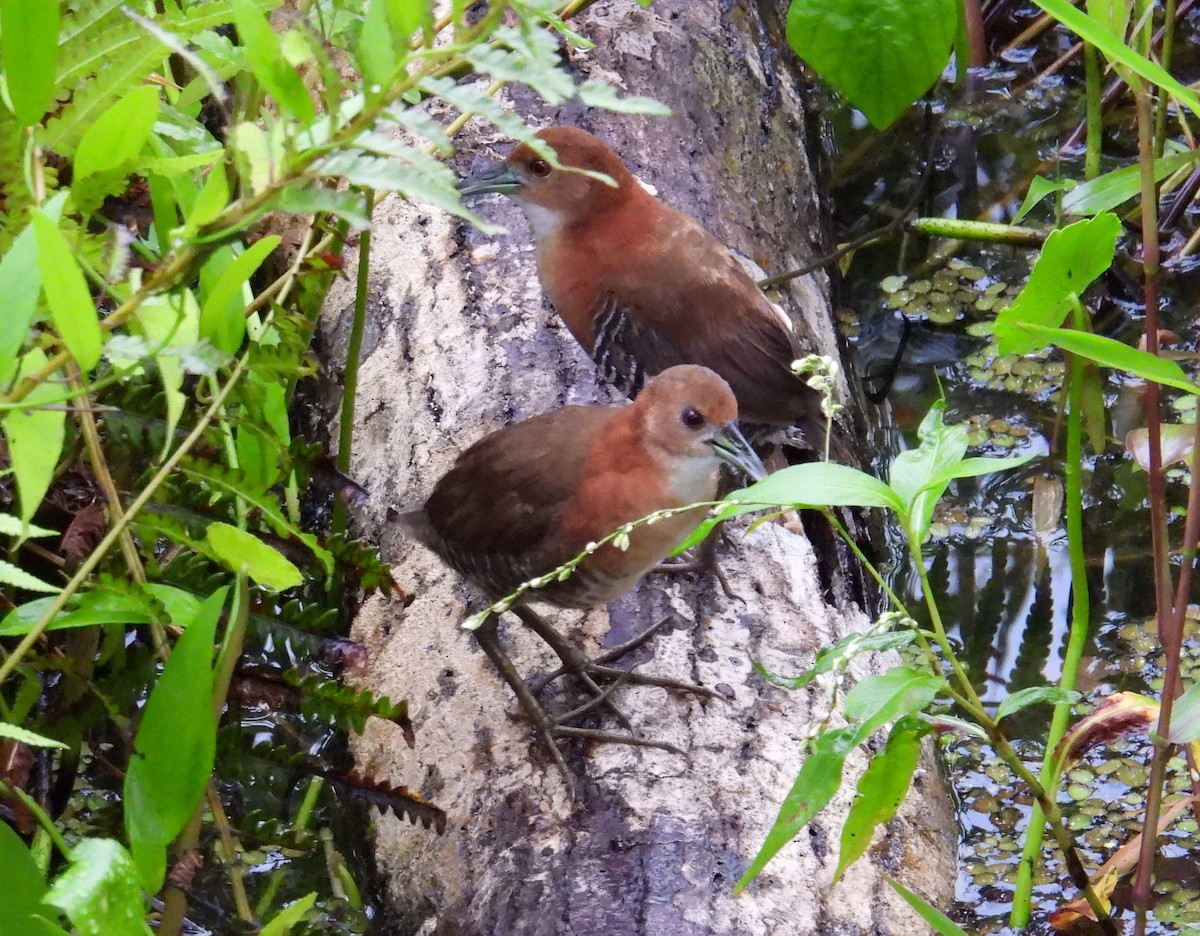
{"x": 95, "y": 451}
{"x": 939, "y": 628}
{"x": 303, "y": 817}
{"x": 1164, "y": 55}
{"x": 119, "y": 525}
{"x": 353, "y": 353}
{"x": 47, "y": 825}
{"x": 1191, "y": 534}
{"x": 249, "y": 208}
{"x": 237, "y": 878}
{"x": 971, "y": 703}
{"x": 1171, "y": 638}
{"x": 1095, "y": 113}
{"x": 1076, "y": 639}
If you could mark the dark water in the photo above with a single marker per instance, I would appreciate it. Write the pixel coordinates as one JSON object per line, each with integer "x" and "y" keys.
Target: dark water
{"x": 1004, "y": 588}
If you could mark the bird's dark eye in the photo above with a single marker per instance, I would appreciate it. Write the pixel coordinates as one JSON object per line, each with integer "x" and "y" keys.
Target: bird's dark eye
{"x": 540, "y": 168}
{"x": 692, "y": 418}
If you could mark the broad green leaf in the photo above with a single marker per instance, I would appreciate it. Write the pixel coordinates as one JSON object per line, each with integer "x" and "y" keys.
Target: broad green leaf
{"x": 1185, "y": 717}
{"x": 818, "y": 484}
{"x": 1111, "y": 15}
{"x": 260, "y": 154}
{"x": 930, "y": 914}
{"x": 405, "y": 17}
{"x": 974, "y": 467}
{"x": 165, "y": 209}
{"x": 817, "y": 783}
{"x": 171, "y": 320}
{"x": 376, "y": 50}
{"x": 67, "y": 293}
{"x": 1116, "y": 51}
{"x": 21, "y": 285}
{"x": 1034, "y": 695}
{"x": 258, "y": 451}
{"x": 25, "y": 736}
{"x": 240, "y": 551}
{"x": 1117, "y": 187}
{"x": 29, "y": 50}
{"x": 223, "y": 317}
{"x": 1092, "y": 406}
{"x": 948, "y": 723}
{"x": 920, "y": 476}
{"x": 1110, "y": 353}
{"x": 24, "y": 887}
{"x": 18, "y": 578}
{"x": 876, "y": 700}
{"x": 287, "y": 918}
{"x": 1039, "y": 188}
{"x": 881, "y": 54}
{"x": 881, "y": 790}
{"x": 99, "y": 892}
{"x": 99, "y": 606}
{"x": 211, "y": 201}
{"x": 169, "y": 166}
{"x": 14, "y": 526}
{"x": 267, "y": 504}
{"x": 1071, "y": 258}
{"x": 873, "y": 702}
{"x": 265, "y": 57}
{"x": 174, "y": 748}
{"x": 35, "y": 438}
{"x": 118, "y": 134}
{"x": 837, "y": 655}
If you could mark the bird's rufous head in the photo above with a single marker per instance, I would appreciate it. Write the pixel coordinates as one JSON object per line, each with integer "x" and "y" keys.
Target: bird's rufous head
{"x": 690, "y": 416}
{"x": 564, "y": 191}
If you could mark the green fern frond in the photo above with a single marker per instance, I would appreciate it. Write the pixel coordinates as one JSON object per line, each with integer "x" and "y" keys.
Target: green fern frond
{"x": 13, "y": 190}
{"x": 110, "y": 55}
{"x": 94, "y": 97}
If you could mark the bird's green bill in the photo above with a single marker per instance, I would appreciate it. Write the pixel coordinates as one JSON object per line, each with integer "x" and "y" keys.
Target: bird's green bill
{"x": 495, "y": 181}
{"x": 732, "y": 446}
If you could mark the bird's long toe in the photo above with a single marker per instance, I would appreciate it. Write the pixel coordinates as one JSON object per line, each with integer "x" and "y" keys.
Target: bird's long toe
{"x": 612, "y": 737}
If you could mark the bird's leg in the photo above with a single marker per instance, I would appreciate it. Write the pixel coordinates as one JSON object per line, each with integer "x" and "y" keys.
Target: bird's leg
{"x": 591, "y": 704}
{"x": 614, "y": 653}
{"x": 561, "y": 645}
{"x": 577, "y": 663}
{"x": 489, "y": 640}
{"x": 551, "y": 729}
{"x": 705, "y": 561}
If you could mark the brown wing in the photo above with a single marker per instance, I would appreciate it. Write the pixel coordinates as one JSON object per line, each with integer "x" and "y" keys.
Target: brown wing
{"x": 708, "y": 311}
{"x": 494, "y": 516}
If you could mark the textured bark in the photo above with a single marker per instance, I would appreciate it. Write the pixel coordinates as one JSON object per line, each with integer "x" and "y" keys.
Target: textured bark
{"x": 459, "y": 343}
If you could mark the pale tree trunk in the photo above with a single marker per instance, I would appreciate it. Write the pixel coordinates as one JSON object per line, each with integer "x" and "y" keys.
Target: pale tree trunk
{"x": 459, "y": 343}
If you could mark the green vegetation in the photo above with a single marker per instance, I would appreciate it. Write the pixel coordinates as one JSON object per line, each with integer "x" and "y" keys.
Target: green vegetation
{"x": 155, "y": 330}
{"x": 1052, "y": 309}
